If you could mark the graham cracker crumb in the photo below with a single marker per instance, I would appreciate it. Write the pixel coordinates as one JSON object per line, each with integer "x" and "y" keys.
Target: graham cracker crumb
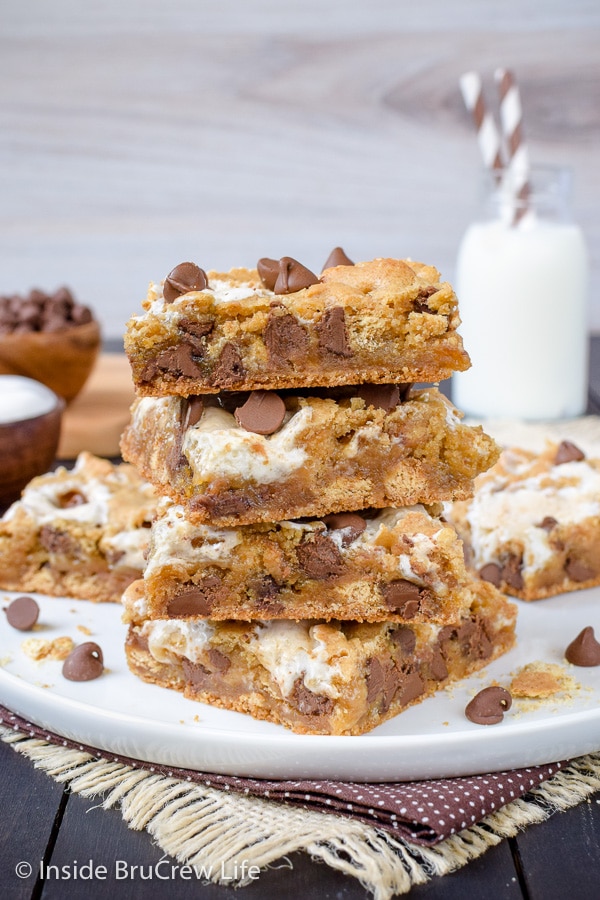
{"x": 538, "y": 680}
{"x": 39, "y": 649}
{"x": 84, "y": 629}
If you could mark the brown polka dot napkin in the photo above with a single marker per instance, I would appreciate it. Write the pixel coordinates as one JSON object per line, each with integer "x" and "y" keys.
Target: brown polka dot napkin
{"x": 425, "y": 812}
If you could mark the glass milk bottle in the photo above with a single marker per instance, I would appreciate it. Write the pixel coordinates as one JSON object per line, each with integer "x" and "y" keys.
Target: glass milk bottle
{"x": 522, "y": 283}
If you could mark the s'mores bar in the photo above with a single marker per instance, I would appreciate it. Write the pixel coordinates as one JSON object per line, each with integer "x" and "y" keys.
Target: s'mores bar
{"x": 267, "y": 456}
{"x": 533, "y": 526}
{"x": 282, "y": 326}
{"x": 395, "y": 565}
{"x": 315, "y": 677}
{"x": 78, "y": 533}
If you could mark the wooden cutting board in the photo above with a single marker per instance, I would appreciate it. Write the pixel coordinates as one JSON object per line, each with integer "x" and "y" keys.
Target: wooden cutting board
{"x": 96, "y": 418}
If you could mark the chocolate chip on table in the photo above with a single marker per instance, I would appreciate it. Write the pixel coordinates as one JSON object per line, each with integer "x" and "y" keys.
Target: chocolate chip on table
{"x": 568, "y": 452}
{"x": 489, "y": 705}
{"x": 185, "y": 277}
{"x": 22, "y": 613}
{"x": 333, "y": 337}
{"x": 351, "y": 522}
{"x": 262, "y": 413}
{"x": 84, "y": 663}
{"x": 337, "y": 257}
{"x": 584, "y": 650}
{"x": 381, "y": 396}
{"x": 286, "y": 276}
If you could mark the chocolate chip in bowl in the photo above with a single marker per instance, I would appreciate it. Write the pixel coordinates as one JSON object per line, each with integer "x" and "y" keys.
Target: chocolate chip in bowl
{"x": 49, "y": 337}
{"x": 30, "y": 419}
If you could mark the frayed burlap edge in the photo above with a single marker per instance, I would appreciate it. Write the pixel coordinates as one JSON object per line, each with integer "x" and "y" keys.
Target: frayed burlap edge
{"x": 215, "y": 829}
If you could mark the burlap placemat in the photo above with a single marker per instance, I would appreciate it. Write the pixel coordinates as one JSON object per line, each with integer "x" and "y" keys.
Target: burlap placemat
{"x": 389, "y": 836}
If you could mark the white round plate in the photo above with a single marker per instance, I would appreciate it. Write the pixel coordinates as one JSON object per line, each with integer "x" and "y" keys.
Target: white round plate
{"x": 121, "y": 714}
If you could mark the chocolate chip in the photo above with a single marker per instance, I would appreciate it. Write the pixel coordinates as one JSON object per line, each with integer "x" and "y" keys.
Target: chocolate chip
{"x": 578, "y": 570}
{"x": 22, "y": 613}
{"x": 197, "y": 675}
{"x": 568, "y": 452}
{"x": 491, "y": 572}
{"x": 309, "y": 703}
{"x": 403, "y": 597}
{"x": 81, "y": 315}
{"x": 411, "y": 687}
{"x": 191, "y": 413}
{"x": 351, "y": 523}
{"x": 178, "y": 361}
{"x": 333, "y": 338}
{"x": 71, "y": 498}
{"x": 84, "y": 663}
{"x": 420, "y": 302}
{"x": 218, "y": 660}
{"x": 268, "y": 270}
{"x": 55, "y": 541}
{"x": 381, "y": 396}
{"x": 319, "y": 558}
{"x": 196, "y": 329}
{"x": 195, "y": 599}
{"x": 382, "y": 681}
{"x": 337, "y": 257}
{"x": 511, "y": 572}
{"x": 489, "y": 705}
{"x": 285, "y": 338}
{"x": 293, "y": 276}
{"x": 262, "y": 413}
{"x": 263, "y": 588}
{"x": 185, "y": 277}
{"x": 584, "y": 650}
{"x": 230, "y": 368}
{"x": 404, "y": 639}
{"x": 437, "y": 665}
{"x": 548, "y": 523}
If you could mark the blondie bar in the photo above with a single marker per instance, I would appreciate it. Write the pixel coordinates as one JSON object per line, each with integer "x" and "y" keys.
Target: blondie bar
{"x": 380, "y": 565}
{"x": 533, "y": 526}
{"x": 324, "y": 451}
{"x": 78, "y": 533}
{"x": 337, "y": 678}
{"x": 378, "y": 321}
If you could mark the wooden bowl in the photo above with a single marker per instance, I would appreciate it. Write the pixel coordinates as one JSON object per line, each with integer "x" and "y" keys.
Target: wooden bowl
{"x": 30, "y": 419}
{"x": 61, "y": 360}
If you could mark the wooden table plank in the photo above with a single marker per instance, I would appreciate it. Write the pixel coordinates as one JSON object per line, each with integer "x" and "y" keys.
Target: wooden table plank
{"x": 561, "y": 857}
{"x": 29, "y": 801}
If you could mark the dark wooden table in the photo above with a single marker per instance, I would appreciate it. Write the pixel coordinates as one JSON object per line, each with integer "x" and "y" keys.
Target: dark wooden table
{"x": 41, "y": 821}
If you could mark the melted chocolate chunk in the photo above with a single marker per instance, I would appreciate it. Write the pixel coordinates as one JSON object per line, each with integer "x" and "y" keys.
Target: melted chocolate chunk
{"x": 293, "y": 276}
{"x": 230, "y": 368}
{"x": 195, "y": 599}
{"x": 351, "y": 523}
{"x": 437, "y": 665}
{"x": 196, "y": 675}
{"x": 191, "y": 411}
{"x": 197, "y": 330}
{"x": 84, "y": 663}
{"x": 285, "y": 338}
{"x": 489, "y": 705}
{"x": 178, "y": 361}
{"x": 568, "y": 452}
{"x": 402, "y": 597}
{"x": 383, "y": 682}
{"x": 182, "y": 279}
{"x": 308, "y": 703}
{"x": 511, "y": 572}
{"x": 420, "y": 302}
{"x": 262, "y": 413}
{"x": 548, "y": 523}
{"x": 381, "y": 396}
{"x": 218, "y": 660}
{"x": 319, "y": 558}
{"x": 584, "y": 650}
{"x": 55, "y": 541}
{"x": 404, "y": 638}
{"x": 71, "y": 498}
{"x": 491, "y": 572}
{"x": 337, "y": 257}
{"x": 577, "y": 570}
{"x": 333, "y": 337}
{"x": 22, "y": 613}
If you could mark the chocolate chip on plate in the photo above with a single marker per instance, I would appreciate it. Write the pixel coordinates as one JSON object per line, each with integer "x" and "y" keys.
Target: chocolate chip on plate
{"x": 84, "y": 663}
{"x": 584, "y": 650}
{"x": 185, "y": 277}
{"x": 262, "y": 413}
{"x": 489, "y": 705}
{"x": 22, "y": 613}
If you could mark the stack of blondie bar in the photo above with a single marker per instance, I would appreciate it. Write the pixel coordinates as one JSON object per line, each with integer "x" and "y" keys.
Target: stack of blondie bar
{"x": 299, "y": 569}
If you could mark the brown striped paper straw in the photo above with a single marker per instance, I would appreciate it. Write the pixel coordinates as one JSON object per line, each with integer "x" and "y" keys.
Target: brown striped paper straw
{"x": 511, "y": 119}
{"x": 488, "y": 135}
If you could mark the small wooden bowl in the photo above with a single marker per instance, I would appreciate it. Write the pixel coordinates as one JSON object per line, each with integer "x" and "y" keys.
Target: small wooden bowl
{"x": 61, "y": 360}
{"x": 27, "y": 446}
